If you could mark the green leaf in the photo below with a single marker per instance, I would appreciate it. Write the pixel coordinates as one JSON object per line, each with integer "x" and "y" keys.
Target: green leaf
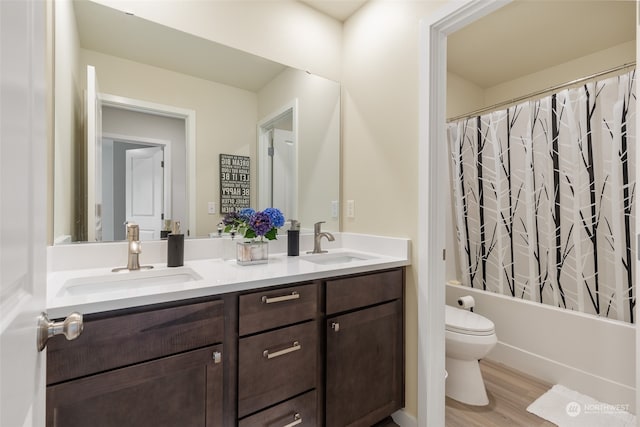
{"x": 249, "y": 234}
{"x": 272, "y": 234}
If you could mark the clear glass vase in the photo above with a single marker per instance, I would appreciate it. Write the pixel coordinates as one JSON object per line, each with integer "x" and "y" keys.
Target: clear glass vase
{"x": 250, "y": 253}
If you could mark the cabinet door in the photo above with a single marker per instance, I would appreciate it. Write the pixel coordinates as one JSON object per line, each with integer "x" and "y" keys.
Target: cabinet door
{"x": 364, "y": 365}
{"x": 122, "y": 340}
{"x": 183, "y": 390}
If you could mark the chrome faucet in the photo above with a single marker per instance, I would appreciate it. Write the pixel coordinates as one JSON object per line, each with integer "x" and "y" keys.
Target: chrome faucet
{"x": 318, "y": 234}
{"x": 134, "y": 249}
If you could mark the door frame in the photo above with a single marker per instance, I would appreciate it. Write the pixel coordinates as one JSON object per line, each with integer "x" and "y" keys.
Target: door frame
{"x": 433, "y": 182}
{"x": 189, "y": 117}
{"x": 263, "y": 160}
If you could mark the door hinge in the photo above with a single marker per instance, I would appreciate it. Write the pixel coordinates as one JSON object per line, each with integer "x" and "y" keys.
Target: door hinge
{"x": 161, "y": 163}
{"x": 444, "y": 254}
{"x": 270, "y": 151}
{"x": 162, "y": 216}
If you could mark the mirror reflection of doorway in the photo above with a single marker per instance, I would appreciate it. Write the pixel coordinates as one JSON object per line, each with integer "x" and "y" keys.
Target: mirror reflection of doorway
{"x": 133, "y": 181}
{"x": 277, "y": 162}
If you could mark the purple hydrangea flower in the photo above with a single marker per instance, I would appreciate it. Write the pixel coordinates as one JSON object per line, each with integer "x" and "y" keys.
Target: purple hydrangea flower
{"x": 277, "y": 219}
{"x": 260, "y": 223}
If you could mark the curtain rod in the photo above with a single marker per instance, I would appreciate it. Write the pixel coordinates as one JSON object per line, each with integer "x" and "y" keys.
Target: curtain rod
{"x": 540, "y": 92}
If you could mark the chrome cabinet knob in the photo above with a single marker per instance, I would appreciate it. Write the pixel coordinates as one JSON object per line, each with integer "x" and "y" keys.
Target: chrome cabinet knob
{"x": 71, "y": 328}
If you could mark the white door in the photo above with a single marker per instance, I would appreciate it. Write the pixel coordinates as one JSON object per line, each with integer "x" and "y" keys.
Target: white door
{"x": 23, "y": 208}
{"x": 283, "y": 173}
{"x": 94, "y": 157}
{"x": 144, "y": 179}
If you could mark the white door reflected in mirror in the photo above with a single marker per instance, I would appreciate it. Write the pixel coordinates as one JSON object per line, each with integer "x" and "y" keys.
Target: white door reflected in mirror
{"x": 144, "y": 177}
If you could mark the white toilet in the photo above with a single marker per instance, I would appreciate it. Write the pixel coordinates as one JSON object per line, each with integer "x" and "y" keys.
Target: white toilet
{"x": 468, "y": 338}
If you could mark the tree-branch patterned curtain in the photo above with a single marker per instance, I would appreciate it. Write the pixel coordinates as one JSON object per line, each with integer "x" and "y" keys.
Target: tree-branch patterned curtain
{"x": 544, "y": 196}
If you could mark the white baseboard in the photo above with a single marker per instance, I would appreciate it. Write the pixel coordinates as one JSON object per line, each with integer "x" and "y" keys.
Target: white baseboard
{"x": 554, "y": 372}
{"x": 404, "y": 419}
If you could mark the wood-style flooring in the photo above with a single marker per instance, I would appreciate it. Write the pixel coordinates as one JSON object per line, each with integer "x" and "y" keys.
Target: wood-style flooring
{"x": 510, "y": 392}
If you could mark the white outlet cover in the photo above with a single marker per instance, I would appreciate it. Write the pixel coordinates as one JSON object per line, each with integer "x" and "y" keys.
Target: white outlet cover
{"x": 334, "y": 208}
{"x": 351, "y": 209}
{"x": 211, "y": 208}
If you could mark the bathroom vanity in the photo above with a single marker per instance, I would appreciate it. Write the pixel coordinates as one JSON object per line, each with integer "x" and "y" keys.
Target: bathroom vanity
{"x": 327, "y": 349}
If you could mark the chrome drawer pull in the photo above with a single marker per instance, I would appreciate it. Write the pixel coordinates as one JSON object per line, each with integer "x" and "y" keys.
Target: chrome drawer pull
{"x": 297, "y": 419}
{"x": 292, "y": 295}
{"x": 294, "y": 347}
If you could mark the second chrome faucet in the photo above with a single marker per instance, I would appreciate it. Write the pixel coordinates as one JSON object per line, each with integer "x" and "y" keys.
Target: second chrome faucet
{"x": 318, "y": 234}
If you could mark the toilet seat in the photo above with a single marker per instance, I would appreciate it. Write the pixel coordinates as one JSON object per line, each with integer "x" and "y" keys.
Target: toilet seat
{"x": 467, "y": 323}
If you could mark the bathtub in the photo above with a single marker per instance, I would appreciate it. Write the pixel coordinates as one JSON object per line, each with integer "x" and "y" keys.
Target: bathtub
{"x": 592, "y": 355}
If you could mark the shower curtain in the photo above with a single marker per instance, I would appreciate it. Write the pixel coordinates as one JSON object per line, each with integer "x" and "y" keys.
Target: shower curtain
{"x": 544, "y": 196}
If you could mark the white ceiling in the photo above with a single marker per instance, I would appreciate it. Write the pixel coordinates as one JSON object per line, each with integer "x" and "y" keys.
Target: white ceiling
{"x": 528, "y": 36}
{"x": 337, "y": 9}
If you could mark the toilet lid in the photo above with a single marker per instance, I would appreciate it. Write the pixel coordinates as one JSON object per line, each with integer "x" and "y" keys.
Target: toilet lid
{"x": 466, "y": 322}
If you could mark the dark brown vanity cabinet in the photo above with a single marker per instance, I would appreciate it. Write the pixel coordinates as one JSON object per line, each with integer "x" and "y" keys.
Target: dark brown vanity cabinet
{"x": 278, "y": 357}
{"x": 319, "y": 353}
{"x": 142, "y": 367}
{"x": 364, "y": 348}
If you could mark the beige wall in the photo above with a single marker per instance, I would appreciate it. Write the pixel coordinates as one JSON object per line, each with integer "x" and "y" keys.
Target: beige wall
{"x": 380, "y": 137}
{"x": 225, "y": 118}
{"x": 66, "y": 117}
{"x": 318, "y": 137}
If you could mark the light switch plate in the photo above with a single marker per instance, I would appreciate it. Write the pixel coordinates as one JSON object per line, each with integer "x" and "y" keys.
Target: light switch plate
{"x": 211, "y": 208}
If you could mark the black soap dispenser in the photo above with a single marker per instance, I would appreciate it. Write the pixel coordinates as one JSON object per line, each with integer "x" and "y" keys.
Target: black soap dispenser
{"x": 293, "y": 239}
{"x": 175, "y": 246}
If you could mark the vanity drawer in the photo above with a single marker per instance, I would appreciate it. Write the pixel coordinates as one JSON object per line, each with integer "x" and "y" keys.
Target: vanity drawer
{"x": 360, "y": 291}
{"x": 124, "y": 339}
{"x": 301, "y": 409}
{"x": 275, "y": 366}
{"x": 270, "y": 309}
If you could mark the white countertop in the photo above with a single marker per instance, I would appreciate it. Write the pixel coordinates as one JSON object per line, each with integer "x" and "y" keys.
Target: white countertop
{"x": 213, "y": 275}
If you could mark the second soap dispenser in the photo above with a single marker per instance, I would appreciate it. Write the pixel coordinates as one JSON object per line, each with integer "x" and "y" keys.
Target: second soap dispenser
{"x": 293, "y": 239}
{"x": 175, "y": 246}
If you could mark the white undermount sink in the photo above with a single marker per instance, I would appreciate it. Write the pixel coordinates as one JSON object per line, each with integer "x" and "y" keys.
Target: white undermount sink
{"x": 335, "y": 258}
{"x": 127, "y": 279}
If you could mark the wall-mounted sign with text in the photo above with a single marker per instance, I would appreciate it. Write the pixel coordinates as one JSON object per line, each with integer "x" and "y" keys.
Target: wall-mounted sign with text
{"x": 235, "y": 183}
